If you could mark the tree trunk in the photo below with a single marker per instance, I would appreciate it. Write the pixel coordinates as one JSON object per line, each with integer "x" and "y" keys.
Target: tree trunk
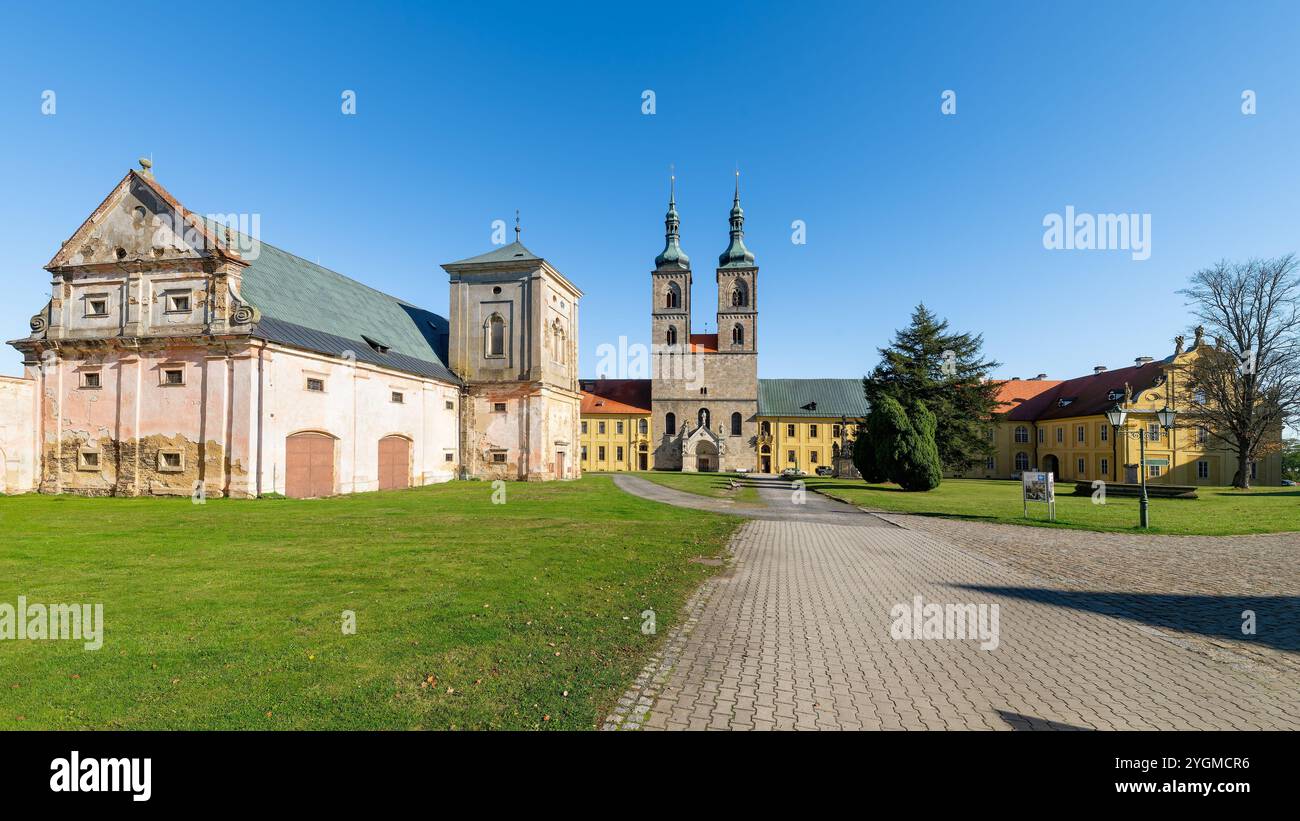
{"x": 1242, "y": 477}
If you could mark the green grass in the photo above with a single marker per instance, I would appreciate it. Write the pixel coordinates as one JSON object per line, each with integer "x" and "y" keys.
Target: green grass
{"x": 717, "y": 485}
{"x": 228, "y": 615}
{"x": 1217, "y": 511}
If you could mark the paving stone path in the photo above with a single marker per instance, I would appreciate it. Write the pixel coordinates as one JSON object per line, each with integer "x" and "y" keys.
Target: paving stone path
{"x": 796, "y": 634}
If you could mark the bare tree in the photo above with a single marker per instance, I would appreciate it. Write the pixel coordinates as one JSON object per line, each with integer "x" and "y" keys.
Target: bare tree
{"x": 1247, "y": 387}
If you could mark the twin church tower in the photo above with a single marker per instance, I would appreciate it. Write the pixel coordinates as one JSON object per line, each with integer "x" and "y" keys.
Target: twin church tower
{"x": 704, "y": 393}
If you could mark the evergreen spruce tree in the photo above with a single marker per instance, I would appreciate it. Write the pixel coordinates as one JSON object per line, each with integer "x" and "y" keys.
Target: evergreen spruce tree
{"x": 945, "y": 372}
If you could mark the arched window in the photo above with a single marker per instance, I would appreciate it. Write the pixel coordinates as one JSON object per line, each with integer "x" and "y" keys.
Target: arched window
{"x": 671, "y": 337}
{"x": 740, "y": 294}
{"x": 735, "y": 424}
{"x": 703, "y": 417}
{"x": 496, "y": 336}
{"x": 670, "y": 423}
{"x": 738, "y": 334}
{"x": 766, "y": 428}
{"x": 642, "y": 426}
{"x": 1022, "y": 434}
{"x": 673, "y": 296}
{"x": 1022, "y": 461}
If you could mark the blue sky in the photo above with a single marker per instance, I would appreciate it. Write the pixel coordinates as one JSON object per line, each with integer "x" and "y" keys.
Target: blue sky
{"x": 832, "y": 113}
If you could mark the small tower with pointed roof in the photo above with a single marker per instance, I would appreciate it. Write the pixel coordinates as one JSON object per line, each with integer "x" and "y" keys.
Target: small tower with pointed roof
{"x": 670, "y": 312}
{"x": 737, "y": 288}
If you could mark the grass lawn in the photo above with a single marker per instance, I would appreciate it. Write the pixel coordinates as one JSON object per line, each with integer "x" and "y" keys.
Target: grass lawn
{"x": 1218, "y": 511}
{"x": 717, "y": 485}
{"x": 228, "y": 615}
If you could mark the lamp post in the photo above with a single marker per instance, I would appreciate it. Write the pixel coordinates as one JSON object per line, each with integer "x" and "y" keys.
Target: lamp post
{"x": 1117, "y": 416}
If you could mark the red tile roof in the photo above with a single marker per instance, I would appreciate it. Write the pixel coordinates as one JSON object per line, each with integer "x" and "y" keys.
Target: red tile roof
{"x": 615, "y": 396}
{"x": 1088, "y": 395}
{"x": 1015, "y": 391}
{"x": 704, "y": 343}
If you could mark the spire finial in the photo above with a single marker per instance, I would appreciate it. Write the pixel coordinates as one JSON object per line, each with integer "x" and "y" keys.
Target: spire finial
{"x": 145, "y": 165}
{"x": 737, "y": 182}
{"x": 518, "y": 230}
{"x": 672, "y": 185}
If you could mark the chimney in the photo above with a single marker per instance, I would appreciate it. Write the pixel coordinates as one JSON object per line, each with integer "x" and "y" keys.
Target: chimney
{"x": 1141, "y": 360}
{"x": 1041, "y": 376}
{"x": 1099, "y": 369}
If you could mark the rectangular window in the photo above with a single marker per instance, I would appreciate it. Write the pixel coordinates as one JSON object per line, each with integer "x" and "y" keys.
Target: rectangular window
{"x": 97, "y": 305}
{"x": 812, "y": 431}
{"x": 991, "y": 463}
{"x": 643, "y": 425}
{"x": 618, "y": 427}
{"x": 584, "y": 427}
{"x": 1153, "y": 470}
{"x": 835, "y": 431}
{"x": 498, "y": 407}
{"x": 499, "y": 457}
{"x": 170, "y": 461}
{"x": 450, "y": 405}
{"x": 1079, "y": 434}
{"x": 1105, "y": 467}
{"x": 600, "y": 427}
{"x": 88, "y": 460}
{"x": 1060, "y": 435}
{"x": 315, "y": 385}
{"x": 618, "y": 454}
{"x": 1202, "y": 470}
{"x": 1202, "y": 435}
{"x": 1153, "y": 431}
{"x": 178, "y": 303}
{"x": 173, "y": 376}
{"x": 789, "y": 456}
{"x": 398, "y": 398}
{"x": 812, "y": 457}
{"x": 1083, "y": 467}
{"x": 600, "y": 453}
{"x": 90, "y": 379}
{"x": 584, "y": 453}
{"x": 1042, "y": 435}
{"x": 789, "y": 431}
{"x": 1104, "y": 432}
{"x": 447, "y": 457}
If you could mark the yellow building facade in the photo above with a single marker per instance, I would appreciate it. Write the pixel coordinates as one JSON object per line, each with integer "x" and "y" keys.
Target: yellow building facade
{"x": 614, "y": 433}
{"x": 1062, "y": 427}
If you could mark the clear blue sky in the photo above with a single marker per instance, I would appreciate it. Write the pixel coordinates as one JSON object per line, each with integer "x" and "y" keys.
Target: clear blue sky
{"x": 464, "y": 115}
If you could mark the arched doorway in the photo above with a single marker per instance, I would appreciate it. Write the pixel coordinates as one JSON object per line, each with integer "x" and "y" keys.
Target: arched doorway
{"x": 394, "y": 462}
{"x": 643, "y": 457}
{"x": 706, "y": 457}
{"x": 765, "y": 459}
{"x": 308, "y": 465}
{"x": 1052, "y": 465}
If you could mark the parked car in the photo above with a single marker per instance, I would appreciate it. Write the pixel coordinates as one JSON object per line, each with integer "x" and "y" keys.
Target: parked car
{"x": 825, "y": 470}
{"x": 1288, "y": 483}
{"x": 742, "y": 471}
{"x": 792, "y": 473}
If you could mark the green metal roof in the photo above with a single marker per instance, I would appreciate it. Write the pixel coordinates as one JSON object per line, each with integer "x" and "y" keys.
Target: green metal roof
{"x": 514, "y": 252}
{"x": 832, "y": 398}
{"x": 292, "y": 290}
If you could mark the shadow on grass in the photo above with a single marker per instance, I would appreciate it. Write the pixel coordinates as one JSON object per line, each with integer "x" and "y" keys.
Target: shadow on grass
{"x": 1277, "y": 618}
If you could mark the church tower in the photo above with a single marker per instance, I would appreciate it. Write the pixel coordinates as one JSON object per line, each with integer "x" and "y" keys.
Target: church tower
{"x": 737, "y": 294}
{"x": 670, "y": 300}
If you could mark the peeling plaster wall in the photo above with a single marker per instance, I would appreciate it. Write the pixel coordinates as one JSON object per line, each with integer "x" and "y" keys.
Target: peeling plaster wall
{"x": 17, "y": 435}
{"x": 356, "y": 408}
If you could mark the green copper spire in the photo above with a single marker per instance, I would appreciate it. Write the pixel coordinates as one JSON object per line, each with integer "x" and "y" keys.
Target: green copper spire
{"x": 737, "y": 255}
{"x": 672, "y": 255}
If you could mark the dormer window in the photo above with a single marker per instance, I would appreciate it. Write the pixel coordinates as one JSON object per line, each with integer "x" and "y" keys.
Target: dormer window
{"x": 1064, "y": 402}
{"x": 97, "y": 305}
{"x": 375, "y": 345}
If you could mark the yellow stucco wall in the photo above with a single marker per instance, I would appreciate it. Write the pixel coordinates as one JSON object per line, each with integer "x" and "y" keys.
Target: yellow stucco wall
{"x": 809, "y": 440}
{"x": 602, "y": 435}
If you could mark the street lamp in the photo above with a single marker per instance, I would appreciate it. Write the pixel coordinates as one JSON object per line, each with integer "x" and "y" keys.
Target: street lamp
{"x": 1116, "y": 416}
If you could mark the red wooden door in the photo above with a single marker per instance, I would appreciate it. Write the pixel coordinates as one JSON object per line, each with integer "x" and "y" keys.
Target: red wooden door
{"x": 394, "y": 463}
{"x": 309, "y": 465}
